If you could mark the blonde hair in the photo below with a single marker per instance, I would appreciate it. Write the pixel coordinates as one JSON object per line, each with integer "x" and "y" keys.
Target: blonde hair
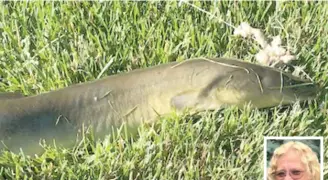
{"x": 308, "y": 157}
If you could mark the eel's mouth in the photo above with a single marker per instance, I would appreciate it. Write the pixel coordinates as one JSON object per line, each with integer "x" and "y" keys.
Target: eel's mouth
{"x": 305, "y": 91}
{"x": 301, "y": 91}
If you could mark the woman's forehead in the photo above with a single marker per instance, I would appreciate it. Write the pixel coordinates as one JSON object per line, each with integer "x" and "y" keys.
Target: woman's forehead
{"x": 291, "y": 159}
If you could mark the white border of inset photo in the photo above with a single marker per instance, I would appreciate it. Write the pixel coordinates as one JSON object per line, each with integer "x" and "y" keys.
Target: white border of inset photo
{"x": 266, "y": 138}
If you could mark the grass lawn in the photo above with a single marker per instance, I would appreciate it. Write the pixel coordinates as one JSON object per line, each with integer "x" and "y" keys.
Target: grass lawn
{"x": 46, "y": 46}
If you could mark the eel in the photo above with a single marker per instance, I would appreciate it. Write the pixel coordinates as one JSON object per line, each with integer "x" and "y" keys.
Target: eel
{"x": 140, "y": 96}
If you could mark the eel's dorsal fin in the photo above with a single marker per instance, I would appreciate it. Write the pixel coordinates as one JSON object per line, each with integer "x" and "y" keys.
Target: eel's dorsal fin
{"x": 10, "y": 95}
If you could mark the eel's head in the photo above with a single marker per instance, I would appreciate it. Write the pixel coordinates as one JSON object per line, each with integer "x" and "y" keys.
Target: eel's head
{"x": 290, "y": 87}
{"x": 266, "y": 87}
{"x": 232, "y": 82}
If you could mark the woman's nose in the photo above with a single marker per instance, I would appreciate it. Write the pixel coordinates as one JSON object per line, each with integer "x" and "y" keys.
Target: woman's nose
{"x": 288, "y": 177}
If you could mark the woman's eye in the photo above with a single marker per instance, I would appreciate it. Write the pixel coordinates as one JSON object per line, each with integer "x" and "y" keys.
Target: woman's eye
{"x": 281, "y": 174}
{"x": 296, "y": 172}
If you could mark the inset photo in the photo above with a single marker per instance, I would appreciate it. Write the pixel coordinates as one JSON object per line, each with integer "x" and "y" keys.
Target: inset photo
{"x": 293, "y": 158}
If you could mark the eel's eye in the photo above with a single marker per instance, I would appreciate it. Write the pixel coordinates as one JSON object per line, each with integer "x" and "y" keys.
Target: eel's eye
{"x": 291, "y": 82}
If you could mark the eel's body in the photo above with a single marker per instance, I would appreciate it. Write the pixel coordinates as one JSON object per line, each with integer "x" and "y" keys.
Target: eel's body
{"x": 140, "y": 96}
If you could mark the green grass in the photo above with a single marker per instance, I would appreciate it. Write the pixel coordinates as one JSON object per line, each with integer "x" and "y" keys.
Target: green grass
{"x": 46, "y": 46}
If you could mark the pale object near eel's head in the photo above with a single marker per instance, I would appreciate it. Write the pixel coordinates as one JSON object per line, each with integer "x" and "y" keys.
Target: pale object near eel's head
{"x": 240, "y": 83}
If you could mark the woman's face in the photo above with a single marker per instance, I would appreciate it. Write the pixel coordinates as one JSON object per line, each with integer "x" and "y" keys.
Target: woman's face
{"x": 290, "y": 167}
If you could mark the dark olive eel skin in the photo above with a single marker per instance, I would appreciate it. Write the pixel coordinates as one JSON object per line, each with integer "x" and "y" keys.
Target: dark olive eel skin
{"x": 140, "y": 96}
